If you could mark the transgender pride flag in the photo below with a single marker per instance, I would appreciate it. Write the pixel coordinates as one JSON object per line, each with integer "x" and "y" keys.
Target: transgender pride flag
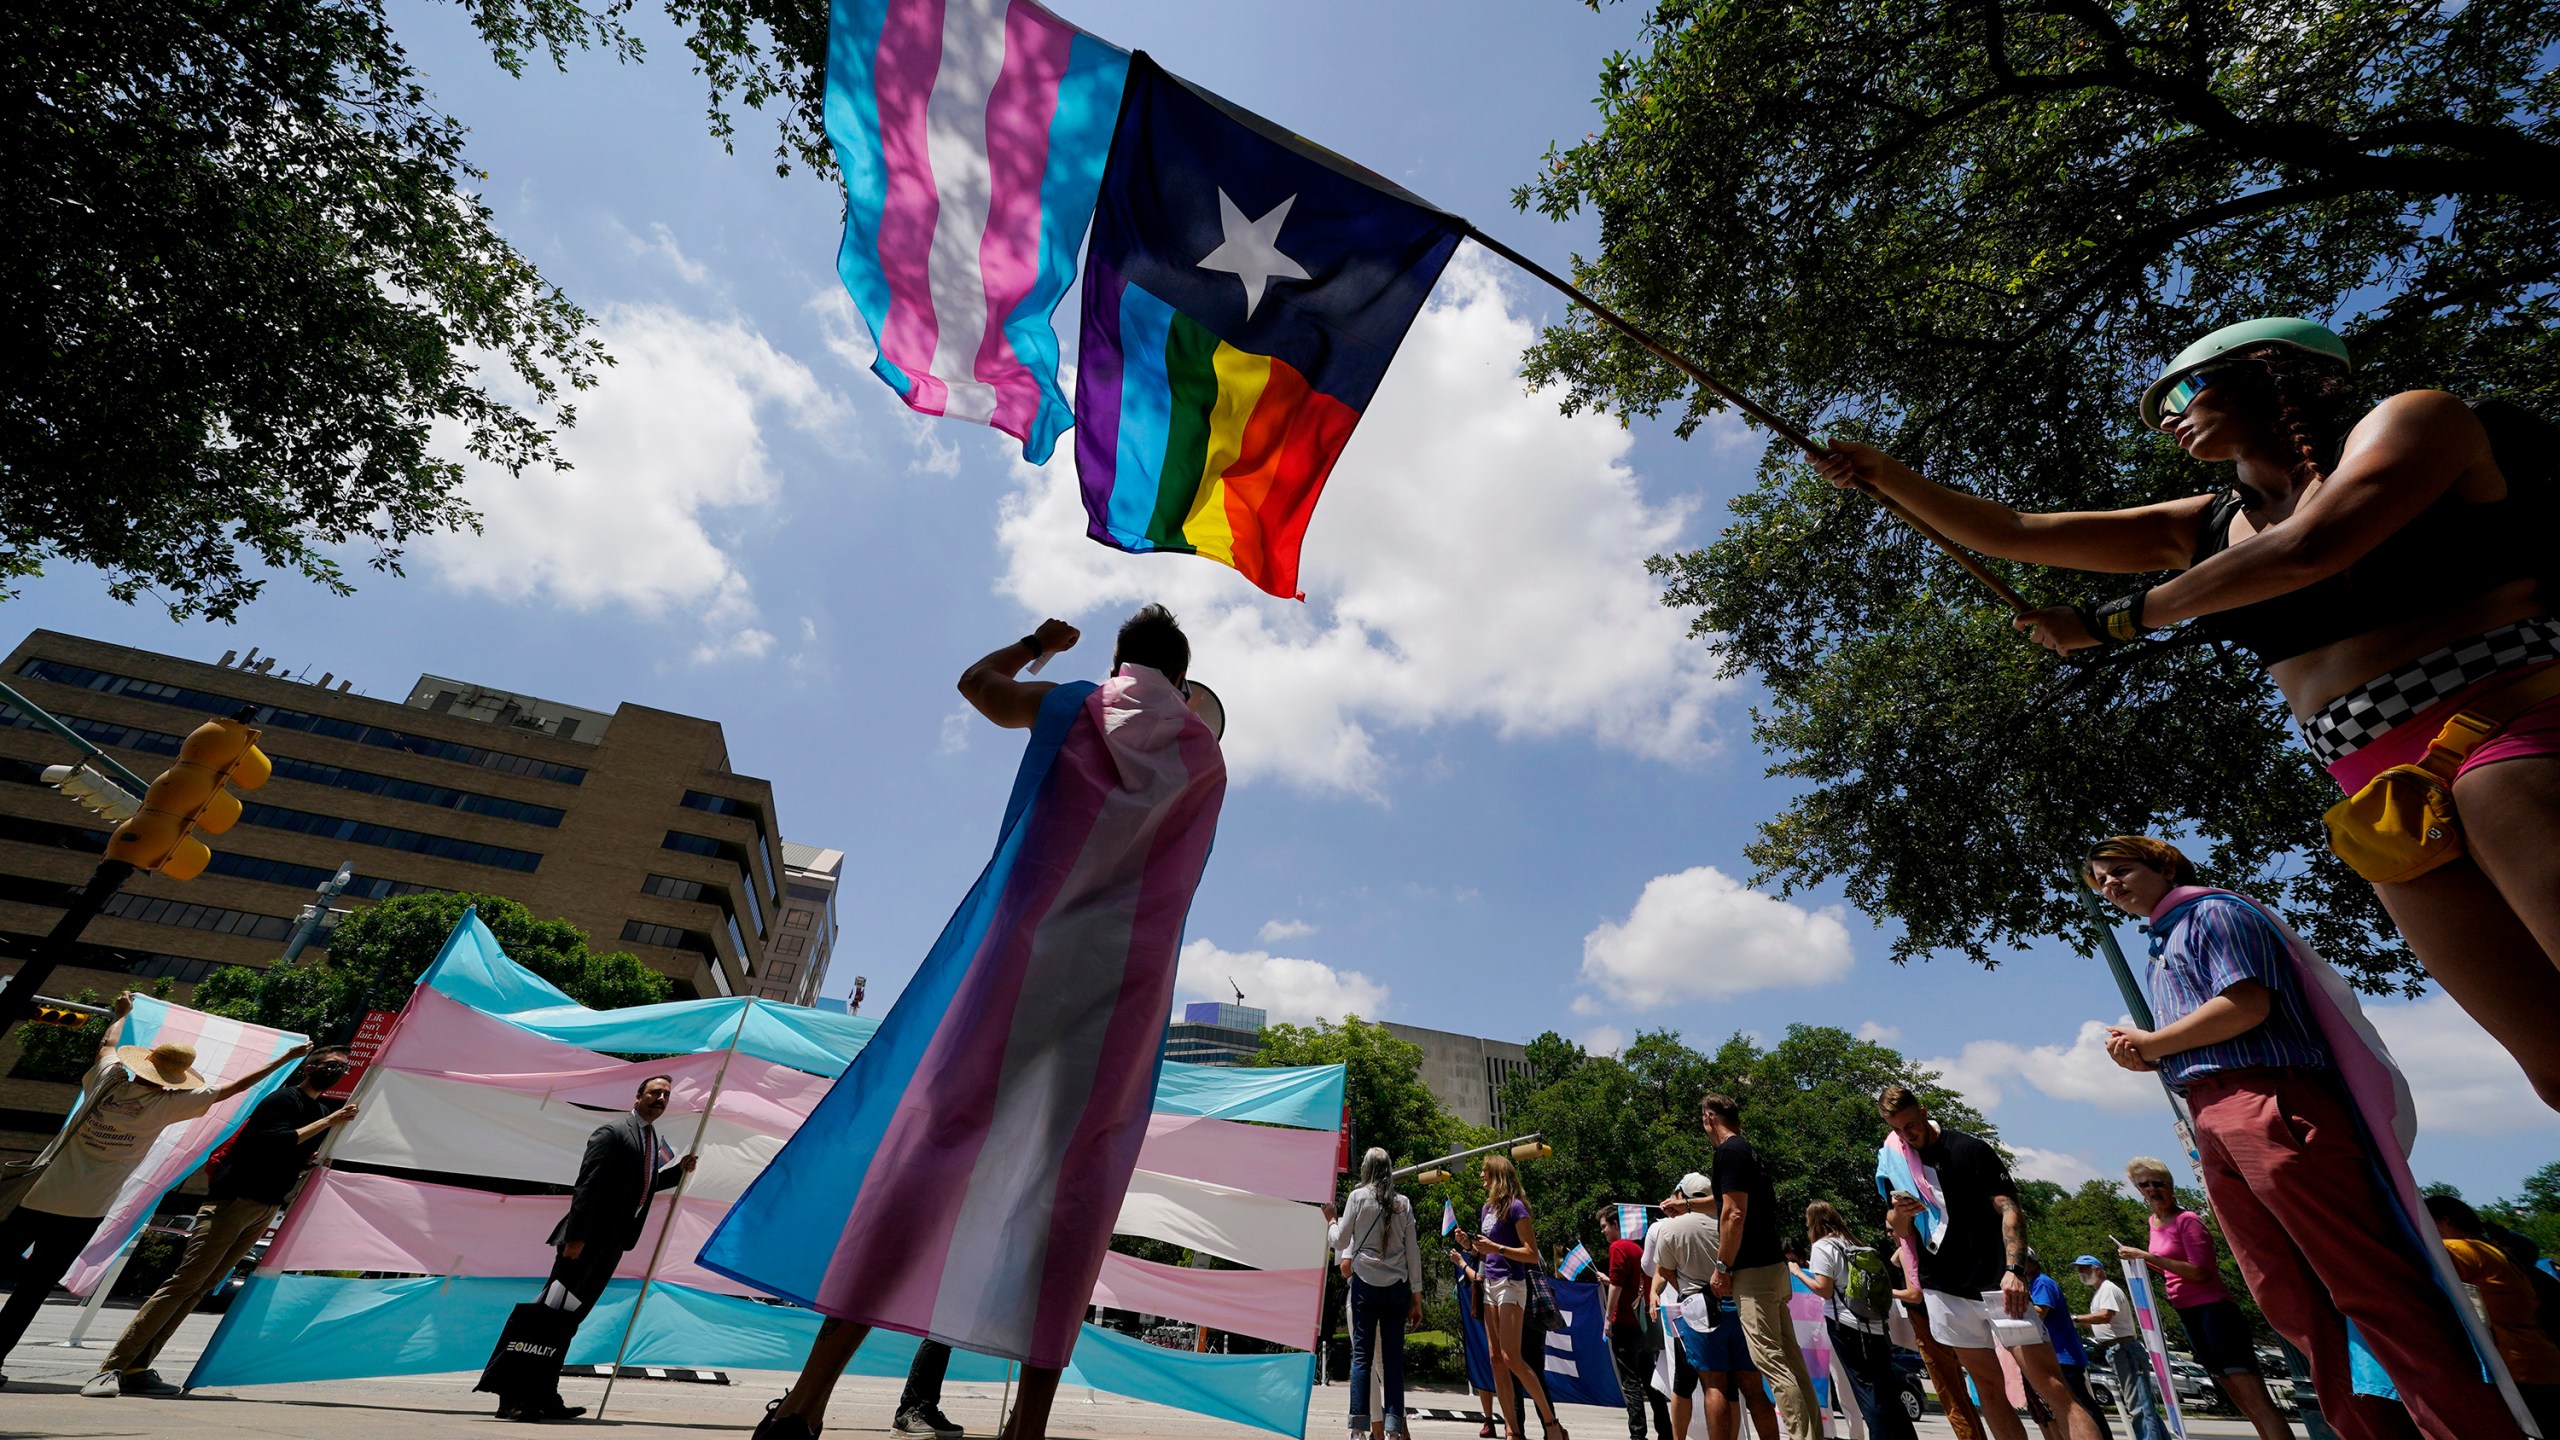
{"x": 972, "y": 135}
{"x": 225, "y": 1051}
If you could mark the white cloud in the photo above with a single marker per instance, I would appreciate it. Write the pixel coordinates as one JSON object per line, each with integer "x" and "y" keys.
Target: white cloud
{"x": 1702, "y": 933}
{"x": 1293, "y": 991}
{"x": 672, "y": 436}
{"x": 1478, "y": 557}
{"x": 661, "y": 242}
{"x": 1603, "y": 1040}
{"x": 2068, "y": 1171}
{"x": 2461, "y": 1081}
{"x": 956, "y": 728}
{"x": 1879, "y": 1032}
{"x": 2079, "y": 1071}
{"x": 1275, "y": 931}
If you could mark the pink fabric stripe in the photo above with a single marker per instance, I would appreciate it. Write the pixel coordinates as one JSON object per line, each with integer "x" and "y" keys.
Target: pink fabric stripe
{"x": 225, "y": 1051}
{"x": 899, "y": 1231}
{"x": 443, "y": 1037}
{"x": 1020, "y": 107}
{"x": 1107, "y": 1142}
{"x": 350, "y": 1221}
{"x": 910, "y": 56}
{"x": 1274, "y": 1305}
{"x": 1265, "y": 1159}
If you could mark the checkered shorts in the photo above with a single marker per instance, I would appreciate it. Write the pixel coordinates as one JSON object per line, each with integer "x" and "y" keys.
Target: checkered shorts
{"x": 2362, "y": 715}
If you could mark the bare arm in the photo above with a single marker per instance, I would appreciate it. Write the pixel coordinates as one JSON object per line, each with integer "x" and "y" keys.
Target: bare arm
{"x": 261, "y": 1073}
{"x": 2236, "y": 1011}
{"x": 2400, "y": 459}
{"x": 2115, "y": 542}
{"x": 2015, "y": 1294}
{"x": 990, "y": 684}
{"x": 115, "y": 1026}
{"x": 340, "y": 1116}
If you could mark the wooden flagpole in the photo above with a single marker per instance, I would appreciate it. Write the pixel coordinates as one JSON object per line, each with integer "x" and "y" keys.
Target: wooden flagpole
{"x": 1778, "y": 424}
{"x": 658, "y": 1252}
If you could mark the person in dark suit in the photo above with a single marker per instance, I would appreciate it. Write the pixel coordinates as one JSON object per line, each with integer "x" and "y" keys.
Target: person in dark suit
{"x": 625, "y": 1166}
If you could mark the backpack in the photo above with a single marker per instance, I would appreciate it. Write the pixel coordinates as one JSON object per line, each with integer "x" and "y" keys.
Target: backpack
{"x": 1866, "y": 1285}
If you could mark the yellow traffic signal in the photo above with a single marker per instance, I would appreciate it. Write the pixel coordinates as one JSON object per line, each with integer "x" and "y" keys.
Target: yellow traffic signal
{"x": 189, "y": 796}
{"x": 63, "y": 1016}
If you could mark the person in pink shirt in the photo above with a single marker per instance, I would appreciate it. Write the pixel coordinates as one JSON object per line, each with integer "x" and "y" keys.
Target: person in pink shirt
{"x": 2218, "y": 1334}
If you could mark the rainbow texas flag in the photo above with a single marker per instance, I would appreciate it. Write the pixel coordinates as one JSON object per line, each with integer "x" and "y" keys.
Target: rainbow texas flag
{"x": 971, "y": 134}
{"x": 1243, "y": 293}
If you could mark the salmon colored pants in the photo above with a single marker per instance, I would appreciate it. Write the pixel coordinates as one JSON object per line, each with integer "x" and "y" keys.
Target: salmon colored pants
{"x": 2303, "y": 1206}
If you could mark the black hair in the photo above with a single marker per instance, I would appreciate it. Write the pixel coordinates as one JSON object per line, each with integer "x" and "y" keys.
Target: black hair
{"x": 2308, "y": 399}
{"x": 2457, "y": 1210}
{"x": 1153, "y": 638}
{"x": 652, "y": 1080}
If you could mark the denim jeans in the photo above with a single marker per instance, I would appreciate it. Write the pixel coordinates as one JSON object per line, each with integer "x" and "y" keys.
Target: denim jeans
{"x": 2136, "y": 1394}
{"x": 1377, "y": 1337}
{"x": 1869, "y": 1361}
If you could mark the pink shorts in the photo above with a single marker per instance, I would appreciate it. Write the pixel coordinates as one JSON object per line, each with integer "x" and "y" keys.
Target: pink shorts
{"x": 2535, "y": 732}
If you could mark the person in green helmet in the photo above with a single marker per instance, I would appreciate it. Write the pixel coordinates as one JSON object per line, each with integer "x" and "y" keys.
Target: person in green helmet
{"x": 2374, "y": 561}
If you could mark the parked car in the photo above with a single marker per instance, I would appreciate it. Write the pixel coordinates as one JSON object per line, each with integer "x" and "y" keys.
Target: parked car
{"x": 1911, "y": 1382}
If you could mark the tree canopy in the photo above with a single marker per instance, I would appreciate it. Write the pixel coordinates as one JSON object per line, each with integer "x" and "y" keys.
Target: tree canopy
{"x": 376, "y": 955}
{"x": 250, "y": 283}
{"x": 1625, "y": 1127}
{"x": 1971, "y": 232}
{"x": 1390, "y": 1105}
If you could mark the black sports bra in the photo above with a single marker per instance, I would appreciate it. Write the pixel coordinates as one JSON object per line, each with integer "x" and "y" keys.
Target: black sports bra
{"x": 2452, "y": 550}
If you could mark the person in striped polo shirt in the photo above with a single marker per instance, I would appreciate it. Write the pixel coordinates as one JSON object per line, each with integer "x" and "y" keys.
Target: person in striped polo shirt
{"x": 2296, "y": 1184}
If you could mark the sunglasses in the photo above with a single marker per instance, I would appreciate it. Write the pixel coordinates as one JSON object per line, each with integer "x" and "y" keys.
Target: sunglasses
{"x": 2151, "y": 1185}
{"x": 2184, "y": 393}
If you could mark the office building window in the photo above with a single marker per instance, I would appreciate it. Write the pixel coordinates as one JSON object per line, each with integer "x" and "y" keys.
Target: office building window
{"x": 702, "y": 845}
{"x": 274, "y": 717}
{"x": 789, "y": 945}
{"x": 443, "y": 847}
{"x": 784, "y": 970}
{"x": 716, "y": 804}
{"x": 770, "y": 993}
{"x": 671, "y": 888}
{"x": 796, "y": 920}
{"x": 151, "y": 911}
{"x": 641, "y": 932}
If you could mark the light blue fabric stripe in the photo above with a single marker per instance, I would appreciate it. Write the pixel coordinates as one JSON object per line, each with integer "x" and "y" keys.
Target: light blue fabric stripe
{"x": 1306, "y": 1096}
{"x": 853, "y": 125}
{"x": 1146, "y": 415}
{"x": 781, "y": 1235}
{"x": 287, "y": 1328}
{"x": 1079, "y": 142}
{"x": 473, "y": 969}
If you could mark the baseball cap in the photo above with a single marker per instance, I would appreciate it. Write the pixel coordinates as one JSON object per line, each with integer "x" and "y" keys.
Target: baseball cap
{"x": 2089, "y": 1260}
{"x": 1693, "y": 1185}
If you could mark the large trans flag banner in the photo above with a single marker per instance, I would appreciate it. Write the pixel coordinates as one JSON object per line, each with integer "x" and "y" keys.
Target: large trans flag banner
{"x": 971, "y": 135}
{"x": 473, "y": 1118}
{"x": 225, "y": 1051}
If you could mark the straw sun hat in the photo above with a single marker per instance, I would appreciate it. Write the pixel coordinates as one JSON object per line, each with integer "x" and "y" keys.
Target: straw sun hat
{"x": 172, "y": 1067}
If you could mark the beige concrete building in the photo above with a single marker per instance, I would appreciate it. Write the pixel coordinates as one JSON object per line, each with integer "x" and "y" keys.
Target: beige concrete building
{"x": 1467, "y": 1072}
{"x": 806, "y": 940}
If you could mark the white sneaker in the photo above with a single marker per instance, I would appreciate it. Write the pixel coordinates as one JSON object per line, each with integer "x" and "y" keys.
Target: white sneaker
{"x": 103, "y": 1385}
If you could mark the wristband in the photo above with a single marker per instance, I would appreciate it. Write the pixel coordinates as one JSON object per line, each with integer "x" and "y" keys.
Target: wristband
{"x": 1032, "y": 643}
{"x": 2117, "y": 621}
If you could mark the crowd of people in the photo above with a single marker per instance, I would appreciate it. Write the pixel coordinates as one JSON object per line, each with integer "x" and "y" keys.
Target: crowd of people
{"x": 2258, "y": 1047}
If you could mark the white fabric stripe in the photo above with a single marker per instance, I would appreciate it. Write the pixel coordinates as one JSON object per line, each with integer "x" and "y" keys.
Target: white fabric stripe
{"x": 956, "y": 145}
{"x": 1235, "y": 1225}
{"x": 456, "y": 1128}
{"x": 1070, "y": 997}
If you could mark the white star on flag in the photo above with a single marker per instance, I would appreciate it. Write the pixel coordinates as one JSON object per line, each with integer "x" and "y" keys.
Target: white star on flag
{"x": 1251, "y": 250}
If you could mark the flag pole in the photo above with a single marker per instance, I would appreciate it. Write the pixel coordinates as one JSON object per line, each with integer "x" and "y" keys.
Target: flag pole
{"x": 659, "y": 1251}
{"x": 1786, "y": 430}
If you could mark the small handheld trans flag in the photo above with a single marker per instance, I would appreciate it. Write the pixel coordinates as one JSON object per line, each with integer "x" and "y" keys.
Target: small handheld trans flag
{"x": 1575, "y": 1261}
{"x": 1448, "y": 1217}
{"x": 1243, "y": 293}
{"x": 1631, "y": 1222}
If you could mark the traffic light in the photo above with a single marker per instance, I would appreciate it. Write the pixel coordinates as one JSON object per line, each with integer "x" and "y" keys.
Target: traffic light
{"x": 189, "y": 797}
{"x": 93, "y": 791}
{"x": 67, "y": 1017}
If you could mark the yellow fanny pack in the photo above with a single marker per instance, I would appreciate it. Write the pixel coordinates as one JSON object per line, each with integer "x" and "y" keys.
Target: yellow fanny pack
{"x": 2402, "y": 824}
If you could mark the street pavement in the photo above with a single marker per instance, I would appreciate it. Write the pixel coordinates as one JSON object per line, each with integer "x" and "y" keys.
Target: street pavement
{"x": 43, "y": 1399}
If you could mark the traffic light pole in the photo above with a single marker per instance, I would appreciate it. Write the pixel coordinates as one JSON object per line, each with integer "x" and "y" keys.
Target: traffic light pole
{"x": 18, "y": 1001}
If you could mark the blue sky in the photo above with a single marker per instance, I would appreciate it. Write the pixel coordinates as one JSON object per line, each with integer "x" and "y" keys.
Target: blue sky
{"x": 1483, "y": 782}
